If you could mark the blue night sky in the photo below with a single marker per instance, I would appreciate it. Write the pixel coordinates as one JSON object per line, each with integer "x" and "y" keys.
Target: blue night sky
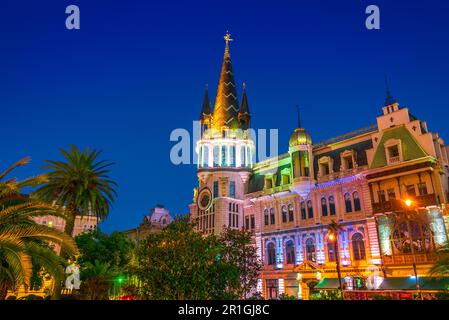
{"x": 136, "y": 70}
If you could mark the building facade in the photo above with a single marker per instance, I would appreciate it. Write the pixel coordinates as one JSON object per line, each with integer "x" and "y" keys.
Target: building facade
{"x": 158, "y": 219}
{"x": 385, "y": 187}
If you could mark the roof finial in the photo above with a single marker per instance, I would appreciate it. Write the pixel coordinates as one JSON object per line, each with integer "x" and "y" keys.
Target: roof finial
{"x": 227, "y": 38}
{"x": 387, "y": 87}
{"x": 299, "y": 116}
{"x": 389, "y": 100}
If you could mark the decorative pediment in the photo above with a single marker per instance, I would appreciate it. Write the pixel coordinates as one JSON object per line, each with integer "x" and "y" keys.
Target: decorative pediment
{"x": 307, "y": 266}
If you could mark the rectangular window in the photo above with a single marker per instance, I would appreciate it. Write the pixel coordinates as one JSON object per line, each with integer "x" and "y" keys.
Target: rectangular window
{"x": 391, "y": 194}
{"x": 216, "y": 156}
{"x": 272, "y": 288}
{"x": 247, "y": 222}
{"x": 349, "y": 162}
{"x": 324, "y": 169}
{"x": 268, "y": 183}
{"x": 232, "y": 189}
{"x": 253, "y": 222}
{"x": 215, "y": 189}
{"x": 223, "y": 189}
{"x": 410, "y": 189}
{"x": 422, "y": 188}
{"x": 232, "y": 156}
{"x": 381, "y": 195}
{"x": 223, "y": 156}
{"x": 393, "y": 151}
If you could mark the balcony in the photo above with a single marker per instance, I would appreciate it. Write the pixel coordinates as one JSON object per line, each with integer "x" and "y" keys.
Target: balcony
{"x": 394, "y": 160}
{"x": 407, "y": 259}
{"x": 398, "y": 205}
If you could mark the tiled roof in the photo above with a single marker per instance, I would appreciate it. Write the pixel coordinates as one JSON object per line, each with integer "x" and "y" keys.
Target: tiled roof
{"x": 346, "y": 136}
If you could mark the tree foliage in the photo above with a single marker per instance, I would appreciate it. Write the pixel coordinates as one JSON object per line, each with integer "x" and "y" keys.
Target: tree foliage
{"x": 103, "y": 258}
{"x": 23, "y": 242}
{"x": 179, "y": 263}
{"x": 81, "y": 184}
{"x": 239, "y": 250}
{"x": 113, "y": 248}
{"x": 441, "y": 266}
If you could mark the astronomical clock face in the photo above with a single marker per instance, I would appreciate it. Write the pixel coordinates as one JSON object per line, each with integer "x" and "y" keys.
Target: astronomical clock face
{"x": 204, "y": 199}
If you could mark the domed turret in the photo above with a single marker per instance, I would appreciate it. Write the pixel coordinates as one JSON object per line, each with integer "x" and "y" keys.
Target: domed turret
{"x": 300, "y": 149}
{"x": 299, "y": 137}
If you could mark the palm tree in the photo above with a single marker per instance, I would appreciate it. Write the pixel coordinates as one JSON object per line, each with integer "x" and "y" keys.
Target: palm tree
{"x": 80, "y": 184}
{"x": 23, "y": 241}
{"x": 98, "y": 278}
{"x": 441, "y": 267}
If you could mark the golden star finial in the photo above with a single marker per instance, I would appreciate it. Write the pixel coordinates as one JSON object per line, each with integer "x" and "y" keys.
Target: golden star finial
{"x": 227, "y": 38}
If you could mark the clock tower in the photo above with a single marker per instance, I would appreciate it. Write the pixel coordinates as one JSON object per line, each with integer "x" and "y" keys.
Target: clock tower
{"x": 225, "y": 156}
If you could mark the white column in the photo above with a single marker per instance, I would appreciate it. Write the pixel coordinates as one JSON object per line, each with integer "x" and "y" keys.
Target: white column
{"x": 238, "y": 158}
{"x": 211, "y": 155}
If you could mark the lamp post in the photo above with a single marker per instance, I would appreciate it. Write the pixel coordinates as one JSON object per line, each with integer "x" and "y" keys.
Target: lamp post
{"x": 408, "y": 203}
{"x": 334, "y": 228}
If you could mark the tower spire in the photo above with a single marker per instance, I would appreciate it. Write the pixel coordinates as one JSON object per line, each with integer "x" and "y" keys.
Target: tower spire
{"x": 205, "y": 108}
{"x": 299, "y": 116}
{"x": 226, "y": 103}
{"x": 244, "y": 115}
{"x": 389, "y": 100}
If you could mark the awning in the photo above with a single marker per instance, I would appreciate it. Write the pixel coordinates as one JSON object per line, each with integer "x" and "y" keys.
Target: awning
{"x": 409, "y": 283}
{"x": 397, "y": 283}
{"x": 328, "y": 283}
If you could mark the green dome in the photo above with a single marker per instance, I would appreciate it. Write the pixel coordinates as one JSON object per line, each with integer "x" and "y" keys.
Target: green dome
{"x": 299, "y": 137}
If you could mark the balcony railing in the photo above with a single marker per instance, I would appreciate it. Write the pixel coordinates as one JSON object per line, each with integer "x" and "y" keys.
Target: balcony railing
{"x": 407, "y": 259}
{"x": 393, "y": 160}
{"x": 398, "y": 205}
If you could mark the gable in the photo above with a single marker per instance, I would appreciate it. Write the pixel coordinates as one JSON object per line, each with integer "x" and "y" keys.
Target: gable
{"x": 410, "y": 148}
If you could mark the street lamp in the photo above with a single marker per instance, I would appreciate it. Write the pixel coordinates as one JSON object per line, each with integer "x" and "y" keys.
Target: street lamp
{"x": 408, "y": 203}
{"x": 333, "y": 238}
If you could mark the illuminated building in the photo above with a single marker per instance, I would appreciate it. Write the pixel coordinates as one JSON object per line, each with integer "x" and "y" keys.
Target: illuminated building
{"x": 360, "y": 180}
{"x": 157, "y": 220}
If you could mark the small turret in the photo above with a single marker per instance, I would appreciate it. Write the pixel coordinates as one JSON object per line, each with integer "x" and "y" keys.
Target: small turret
{"x": 244, "y": 115}
{"x": 206, "y": 113}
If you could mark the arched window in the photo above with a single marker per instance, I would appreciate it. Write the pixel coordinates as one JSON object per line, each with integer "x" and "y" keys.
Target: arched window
{"x": 290, "y": 213}
{"x": 309, "y": 209}
{"x": 324, "y": 207}
{"x": 290, "y": 252}
{"x": 358, "y": 247}
{"x": 272, "y": 219}
{"x": 284, "y": 214}
{"x": 265, "y": 214}
{"x": 412, "y": 233}
{"x": 271, "y": 254}
{"x": 332, "y": 206}
{"x": 348, "y": 203}
{"x": 331, "y": 251}
{"x": 303, "y": 211}
{"x": 310, "y": 250}
{"x": 356, "y": 198}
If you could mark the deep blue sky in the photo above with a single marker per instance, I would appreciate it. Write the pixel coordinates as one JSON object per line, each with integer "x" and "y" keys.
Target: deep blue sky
{"x": 136, "y": 70}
